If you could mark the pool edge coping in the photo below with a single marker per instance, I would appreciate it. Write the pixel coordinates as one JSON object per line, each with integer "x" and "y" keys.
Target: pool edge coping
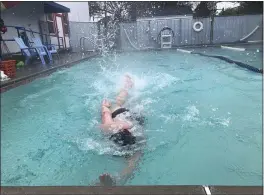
{"x": 137, "y": 190}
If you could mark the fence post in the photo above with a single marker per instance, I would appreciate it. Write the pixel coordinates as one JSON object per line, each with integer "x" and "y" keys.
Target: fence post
{"x": 117, "y": 36}
{"x": 212, "y": 29}
{"x": 58, "y": 40}
{"x": 121, "y": 27}
{"x": 149, "y": 35}
{"x": 180, "y": 32}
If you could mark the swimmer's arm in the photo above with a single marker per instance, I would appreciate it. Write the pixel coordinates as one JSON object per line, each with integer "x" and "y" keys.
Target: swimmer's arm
{"x": 128, "y": 171}
{"x": 115, "y": 125}
{"x": 107, "y": 180}
{"x": 123, "y": 94}
{"x": 121, "y": 97}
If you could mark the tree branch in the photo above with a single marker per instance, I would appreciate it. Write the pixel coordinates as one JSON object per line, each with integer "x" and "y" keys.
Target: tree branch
{"x": 103, "y": 10}
{"x": 110, "y": 4}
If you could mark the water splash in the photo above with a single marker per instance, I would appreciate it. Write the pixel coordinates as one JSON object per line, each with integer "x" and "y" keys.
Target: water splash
{"x": 103, "y": 147}
{"x": 224, "y": 121}
{"x": 192, "y": 113}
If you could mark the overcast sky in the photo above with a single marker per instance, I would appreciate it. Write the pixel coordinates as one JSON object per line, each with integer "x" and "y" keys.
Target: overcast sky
{"x": 221, "y": 5}
{"x": 226, "y": 5}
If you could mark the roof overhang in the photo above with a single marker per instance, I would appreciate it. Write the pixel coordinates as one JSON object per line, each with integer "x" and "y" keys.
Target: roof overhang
{"x": 49, "y": 6}
{"x": 52, "y": 7}
{"x": 8, "y": 4}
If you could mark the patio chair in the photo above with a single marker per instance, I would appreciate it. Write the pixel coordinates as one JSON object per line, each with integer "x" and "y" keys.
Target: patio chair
{"x": 27, "y": 51}
{"x": 52, "y": 50}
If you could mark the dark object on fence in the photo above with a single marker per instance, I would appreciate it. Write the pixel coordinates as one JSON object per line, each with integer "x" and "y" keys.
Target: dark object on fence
{"x": 159, "y": 35}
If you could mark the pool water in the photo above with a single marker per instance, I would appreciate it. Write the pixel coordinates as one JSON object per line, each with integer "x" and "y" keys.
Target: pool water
{"x": 252, "y": 56}
{"x": 203, "y": 123}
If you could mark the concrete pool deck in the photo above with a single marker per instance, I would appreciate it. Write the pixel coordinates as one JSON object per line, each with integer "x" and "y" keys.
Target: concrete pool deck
{"x": 30, "y": 72}
{"x": 136, "y": 190}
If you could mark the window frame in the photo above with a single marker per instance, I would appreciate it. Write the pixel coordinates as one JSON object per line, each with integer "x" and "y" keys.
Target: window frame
{"x": 65, "y": 22}
{"x": 53, "y": 23}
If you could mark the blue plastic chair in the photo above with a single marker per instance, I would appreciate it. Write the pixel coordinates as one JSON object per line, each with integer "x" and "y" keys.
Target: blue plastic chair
{"x": 50, "y": 48}
{"x": 30, "y": 52}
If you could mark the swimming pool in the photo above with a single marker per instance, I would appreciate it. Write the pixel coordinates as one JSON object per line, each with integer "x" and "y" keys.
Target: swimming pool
{"x": 203, "y": 127}
{"x": 253, "y": 55}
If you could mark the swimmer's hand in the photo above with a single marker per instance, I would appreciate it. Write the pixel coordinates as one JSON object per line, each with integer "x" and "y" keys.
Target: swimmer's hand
{"x": 106, "y": 180}
{"x": 106, "y": 103}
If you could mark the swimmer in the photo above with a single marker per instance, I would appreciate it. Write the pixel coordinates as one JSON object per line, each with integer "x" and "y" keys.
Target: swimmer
{"x": 120, "y": 131}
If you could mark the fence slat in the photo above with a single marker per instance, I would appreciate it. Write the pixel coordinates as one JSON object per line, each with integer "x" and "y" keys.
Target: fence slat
{"x": 144, "y": 33}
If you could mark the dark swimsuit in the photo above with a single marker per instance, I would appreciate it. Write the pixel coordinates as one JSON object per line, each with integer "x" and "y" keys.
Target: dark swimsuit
{"x": 139, "y": 119}
{"x": 119, "y": 111}
{"x": 124, "y": 137}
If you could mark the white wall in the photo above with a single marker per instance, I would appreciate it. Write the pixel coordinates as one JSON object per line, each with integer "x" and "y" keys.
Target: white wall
{"x": 67, "y": 41}
{"x": 79, "y": 11}
{"x": 21, "y": 15}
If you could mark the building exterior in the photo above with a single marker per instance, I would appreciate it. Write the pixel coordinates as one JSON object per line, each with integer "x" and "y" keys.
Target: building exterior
{"x": 48, "y": 20}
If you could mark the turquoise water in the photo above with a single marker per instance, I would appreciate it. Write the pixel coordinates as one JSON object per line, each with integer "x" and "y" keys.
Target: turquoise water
{"x": 253, "y": 55}
{"x": 204, "y": 123}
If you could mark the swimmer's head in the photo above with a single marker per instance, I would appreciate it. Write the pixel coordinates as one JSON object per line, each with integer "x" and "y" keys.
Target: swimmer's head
{"x": 123, "y": 138}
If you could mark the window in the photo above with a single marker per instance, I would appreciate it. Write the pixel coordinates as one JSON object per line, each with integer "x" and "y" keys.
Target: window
{"x": 65, "y": 23}
{"x": 50, "y": 22}
{"x": 49, "y": 17}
